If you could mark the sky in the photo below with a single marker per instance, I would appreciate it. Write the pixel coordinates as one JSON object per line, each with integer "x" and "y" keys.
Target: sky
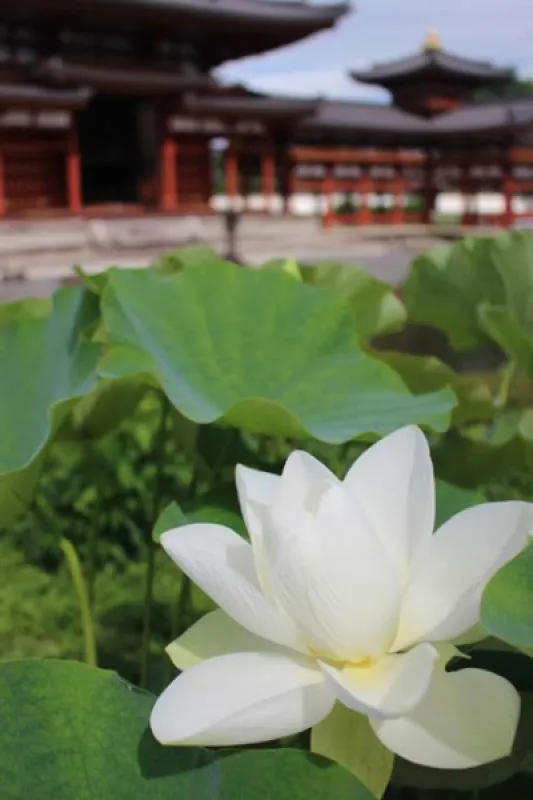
{"x": 378, "y": 30}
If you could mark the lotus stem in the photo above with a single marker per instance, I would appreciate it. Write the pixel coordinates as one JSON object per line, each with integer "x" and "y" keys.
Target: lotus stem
{"x": 158, "y": 452}
{"x": 80, "y": 585}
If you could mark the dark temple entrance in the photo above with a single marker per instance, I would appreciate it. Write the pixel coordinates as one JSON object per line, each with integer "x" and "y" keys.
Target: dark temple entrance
{"x": 111, "y": 153}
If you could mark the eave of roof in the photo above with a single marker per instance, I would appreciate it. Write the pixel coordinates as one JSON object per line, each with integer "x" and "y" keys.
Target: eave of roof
{"x": 434, "y": 61}
{"x": 60, "y": 72}
{"x": 280, "y": 13}
{"x": 225, "y": 30}
{"x": 363, "y": 118}
{"x": 30, "y": 95}
{"x": 481, "y": 118}
{"x": 240, "y": 106}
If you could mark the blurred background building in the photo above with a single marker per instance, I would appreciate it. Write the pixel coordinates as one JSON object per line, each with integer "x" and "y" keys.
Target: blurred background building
{"x": 111, "y": 107}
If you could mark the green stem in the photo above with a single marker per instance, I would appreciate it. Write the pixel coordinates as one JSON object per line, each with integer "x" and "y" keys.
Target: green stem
{"x": 158, "y": 454}
{"x": 99, "y": 476}
{"x": 147, "y": 612}
{"x": 91, "y": 563}
{"x": 76, "y": 573}
{"x": 508, "y": 374}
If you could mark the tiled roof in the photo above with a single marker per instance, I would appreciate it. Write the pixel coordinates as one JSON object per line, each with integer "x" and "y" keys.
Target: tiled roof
{"x": 486, "y": 116}
{"x": 343, "y": 114}
{"x": 432, "y": 60}
{"x": 29, "y": 94}
{"x": 278, "y": 12}
{"x": 60, "y": 72}
{"x": 250, "y": 105}
{"x": 346, "y": 117}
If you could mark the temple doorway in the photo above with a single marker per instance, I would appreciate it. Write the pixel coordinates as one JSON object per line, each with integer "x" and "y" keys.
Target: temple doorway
{"x": 114, "y": 158}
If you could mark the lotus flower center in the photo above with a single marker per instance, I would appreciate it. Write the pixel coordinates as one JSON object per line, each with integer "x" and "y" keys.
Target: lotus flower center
{"x": 343, "y": 663}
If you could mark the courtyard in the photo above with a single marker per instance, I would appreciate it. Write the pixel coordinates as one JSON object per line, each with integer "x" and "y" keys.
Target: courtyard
{"x": 37, "y": 256}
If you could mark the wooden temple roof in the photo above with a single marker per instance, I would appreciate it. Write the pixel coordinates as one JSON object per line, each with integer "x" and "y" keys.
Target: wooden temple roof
{"x": 352, "y": 119}
{"x": 486, "y": 117}
{"x": 432, "y": 61}
{"x": 59, "y": 72}
{"x": 280, "y": 12}
{"x": 249, "y": 105}
{"x": 346, "y": 115}
{"x": 31, "y": 95}
{"x": 239, "y": 27}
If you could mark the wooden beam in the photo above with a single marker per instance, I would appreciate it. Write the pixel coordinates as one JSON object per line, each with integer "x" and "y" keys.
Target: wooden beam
{"x": 508, "y": 189}
{"x": 429, "y": 193}
{"x": 328, "y": 192}
{"x": 398, "y": 194}
{"x": 521, "y": 155}
{"x": 231, "y": 167}
{"x": 168, "y": 199}
{"x": 268, "y": 174}
{"x": 330, "y": 155}
{"x": 364, "y": 188}
{"x": 73, "y": 172}
{"x": 466, "y": 188}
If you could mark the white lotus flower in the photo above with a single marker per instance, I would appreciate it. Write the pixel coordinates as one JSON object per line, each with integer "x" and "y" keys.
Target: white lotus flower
{"x": 344, "y": 594}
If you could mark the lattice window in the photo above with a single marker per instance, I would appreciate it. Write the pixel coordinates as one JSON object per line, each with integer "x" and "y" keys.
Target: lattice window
{"x": 18, "y": 44}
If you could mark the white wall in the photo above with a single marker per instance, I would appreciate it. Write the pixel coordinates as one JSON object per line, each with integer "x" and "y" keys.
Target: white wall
{"x": 306, "y": 204}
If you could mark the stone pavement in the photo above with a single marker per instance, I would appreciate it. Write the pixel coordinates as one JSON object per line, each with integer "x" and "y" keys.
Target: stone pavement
{"x": 36, "y": 256}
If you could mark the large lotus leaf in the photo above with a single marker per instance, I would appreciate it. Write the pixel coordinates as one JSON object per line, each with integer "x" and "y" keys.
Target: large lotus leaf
{"x": 507, "y": 608}
{"x": 428, "y": 374}
{"x": 286, "y": 774}
{"x": 446, "y": 286}
{"x": 30, "y": 307}
{"x": 376, "y": 309}
{"x": 257, "y": 350}
{"x": 194, "y": 255}
{"x": 45, "y": 363}
{"x": 102, "y": 410}
{"x": 71, "y": 732}
{"x": 510, "y": 322}
{"x": 17, "y": 490}
{"x": 512, "y": 256}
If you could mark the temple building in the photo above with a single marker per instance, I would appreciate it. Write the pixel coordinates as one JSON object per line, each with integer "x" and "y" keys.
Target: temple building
{"x": 112, "y": 107}
{"x": 93, "y": 94}
{"x": 433, "y": 138}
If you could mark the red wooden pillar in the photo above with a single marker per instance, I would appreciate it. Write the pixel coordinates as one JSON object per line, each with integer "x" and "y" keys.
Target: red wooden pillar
{"x": 364, "y": 188}
{"x": 3, "y": 203}
{"x": 73, "y": 172}
{"x": 288, "y": 184}
{"x": 429, "y": 191}
{"x": 508, "y": 193}
{"x": 168, "y": 188}
{"x": 268, "y": 175}
{"x": 231, "y": 168}
{"x": 466, "y": 193}
{"x": 328, "y": 191}
{"x": 398, "y": 216}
